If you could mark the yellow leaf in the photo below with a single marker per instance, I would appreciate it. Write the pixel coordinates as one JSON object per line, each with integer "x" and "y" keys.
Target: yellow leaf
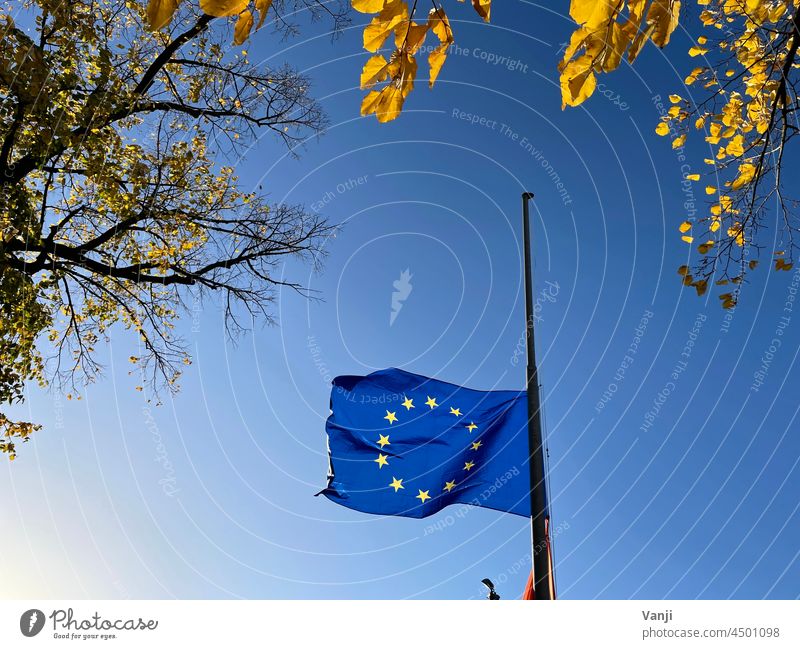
{"x": 699, "y": 122}
{"x": 747, "y": 172}
{"x": 683, "y": 270}
{"x": 410, "y": 36}
{"x": 160, "y": 12}
{"x": 368, "y": 6}
{"x": 664, "y": 15}
{"x": 678, "y": 141}
{"x": 735, "y": 146}
{"x": 639, "y": 42}
{"x": 675, "y": 99}
{"x": 701, "y": 286}
{"x": 436, "y": 60}
{"x": 693, "y": 176}
{"x": 577, "y": 81}
{"x": 262, "y": 6}
{"x": 593, "y": 12}
{"x": 393, "y": 13}
{"x": 390, "y": 103}
{"x": 375, "y": 69}
{"x": 617, "y": 40}
{"x": 483, "y": 8}
{"x": 693, "y": 75}
{"x": 687, "y": 238}
{"x": 685, "y": 226}
{"x": 223, "y": 8}
{"x": 440, "y": 25}
{"x": 697, "y": 51}
{"x": 387, "y": 103}
{"x": 244, "y": 25}
{"x": 710, "y": 190}
{"x": 703, "y": 248}
{"x": 662, "y": 128}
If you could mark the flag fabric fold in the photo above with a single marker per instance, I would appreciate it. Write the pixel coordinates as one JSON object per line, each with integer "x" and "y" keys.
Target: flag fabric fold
{"x": 401, "y": 444}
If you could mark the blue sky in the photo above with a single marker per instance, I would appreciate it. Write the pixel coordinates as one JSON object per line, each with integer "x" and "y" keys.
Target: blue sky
{"x": 683, "y": 483}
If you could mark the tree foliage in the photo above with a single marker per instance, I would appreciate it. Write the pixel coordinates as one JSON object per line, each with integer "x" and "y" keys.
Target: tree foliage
{"x": 742, "y": 99}
{"x": 396, "y": 23}
{"x": 120, "y": 122}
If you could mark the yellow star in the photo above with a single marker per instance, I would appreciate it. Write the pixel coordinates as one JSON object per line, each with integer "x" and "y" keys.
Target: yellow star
{"x": 381, "y": 460}
{"x": 383, "y": 440}
{"x": 397, "y": 484}
{"x": 391, "y": 417}
{"x": 423, "y": 495}
{"x": 476, "y": 445}
{"x": 471, "y": 426}
{"x": 455, "y": 411}
{"x": 449, "y": 486}
{"x": 467, "y": 465}
{"x": 431, "y": 402}
{"x": 408, "y": 403}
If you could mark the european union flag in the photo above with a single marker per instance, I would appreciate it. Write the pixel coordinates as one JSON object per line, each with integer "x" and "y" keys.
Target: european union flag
{"x": 401, "y": 444}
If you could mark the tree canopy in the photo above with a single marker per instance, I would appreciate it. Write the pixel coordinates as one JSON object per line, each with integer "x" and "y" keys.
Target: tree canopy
{"x": 117, "y": 152}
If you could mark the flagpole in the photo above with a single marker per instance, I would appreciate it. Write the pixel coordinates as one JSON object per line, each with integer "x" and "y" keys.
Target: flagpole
{"x": 538, "y": 490}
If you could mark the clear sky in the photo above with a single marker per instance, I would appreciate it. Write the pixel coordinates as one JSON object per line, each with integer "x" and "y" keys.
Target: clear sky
{"x": 682, "y": 483}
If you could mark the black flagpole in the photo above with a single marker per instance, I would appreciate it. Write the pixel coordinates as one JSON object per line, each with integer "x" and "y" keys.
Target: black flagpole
{"x": 541, "y": 555}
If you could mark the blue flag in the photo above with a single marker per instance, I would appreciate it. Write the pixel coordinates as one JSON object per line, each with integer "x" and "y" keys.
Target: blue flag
{"x": 401, "y": 444}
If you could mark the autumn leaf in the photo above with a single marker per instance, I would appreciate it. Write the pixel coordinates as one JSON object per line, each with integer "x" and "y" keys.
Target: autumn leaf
{"x": 387, "y": 103}
{"x": 483, "y": 8}
{"x": 368, "y": 6}
{"x": 703, "y": 248}
{"x": 375, "y": 70}
{"x": 663, "y": 14}
{"x": 440, "y": 25}
{"x": 223, "y": 8}
{"x": 410, "y": 36}
{"x": 747, "y": 172}
{"x": 244, "y": 25}
{"x": 701, "y": 286}
{"x": 262, "y": 6}
{"x": 577, "y": 81}
{"x": 436, "y": 60}
{"x": 382, "y": 25}
{"x": 160, "y": 12}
